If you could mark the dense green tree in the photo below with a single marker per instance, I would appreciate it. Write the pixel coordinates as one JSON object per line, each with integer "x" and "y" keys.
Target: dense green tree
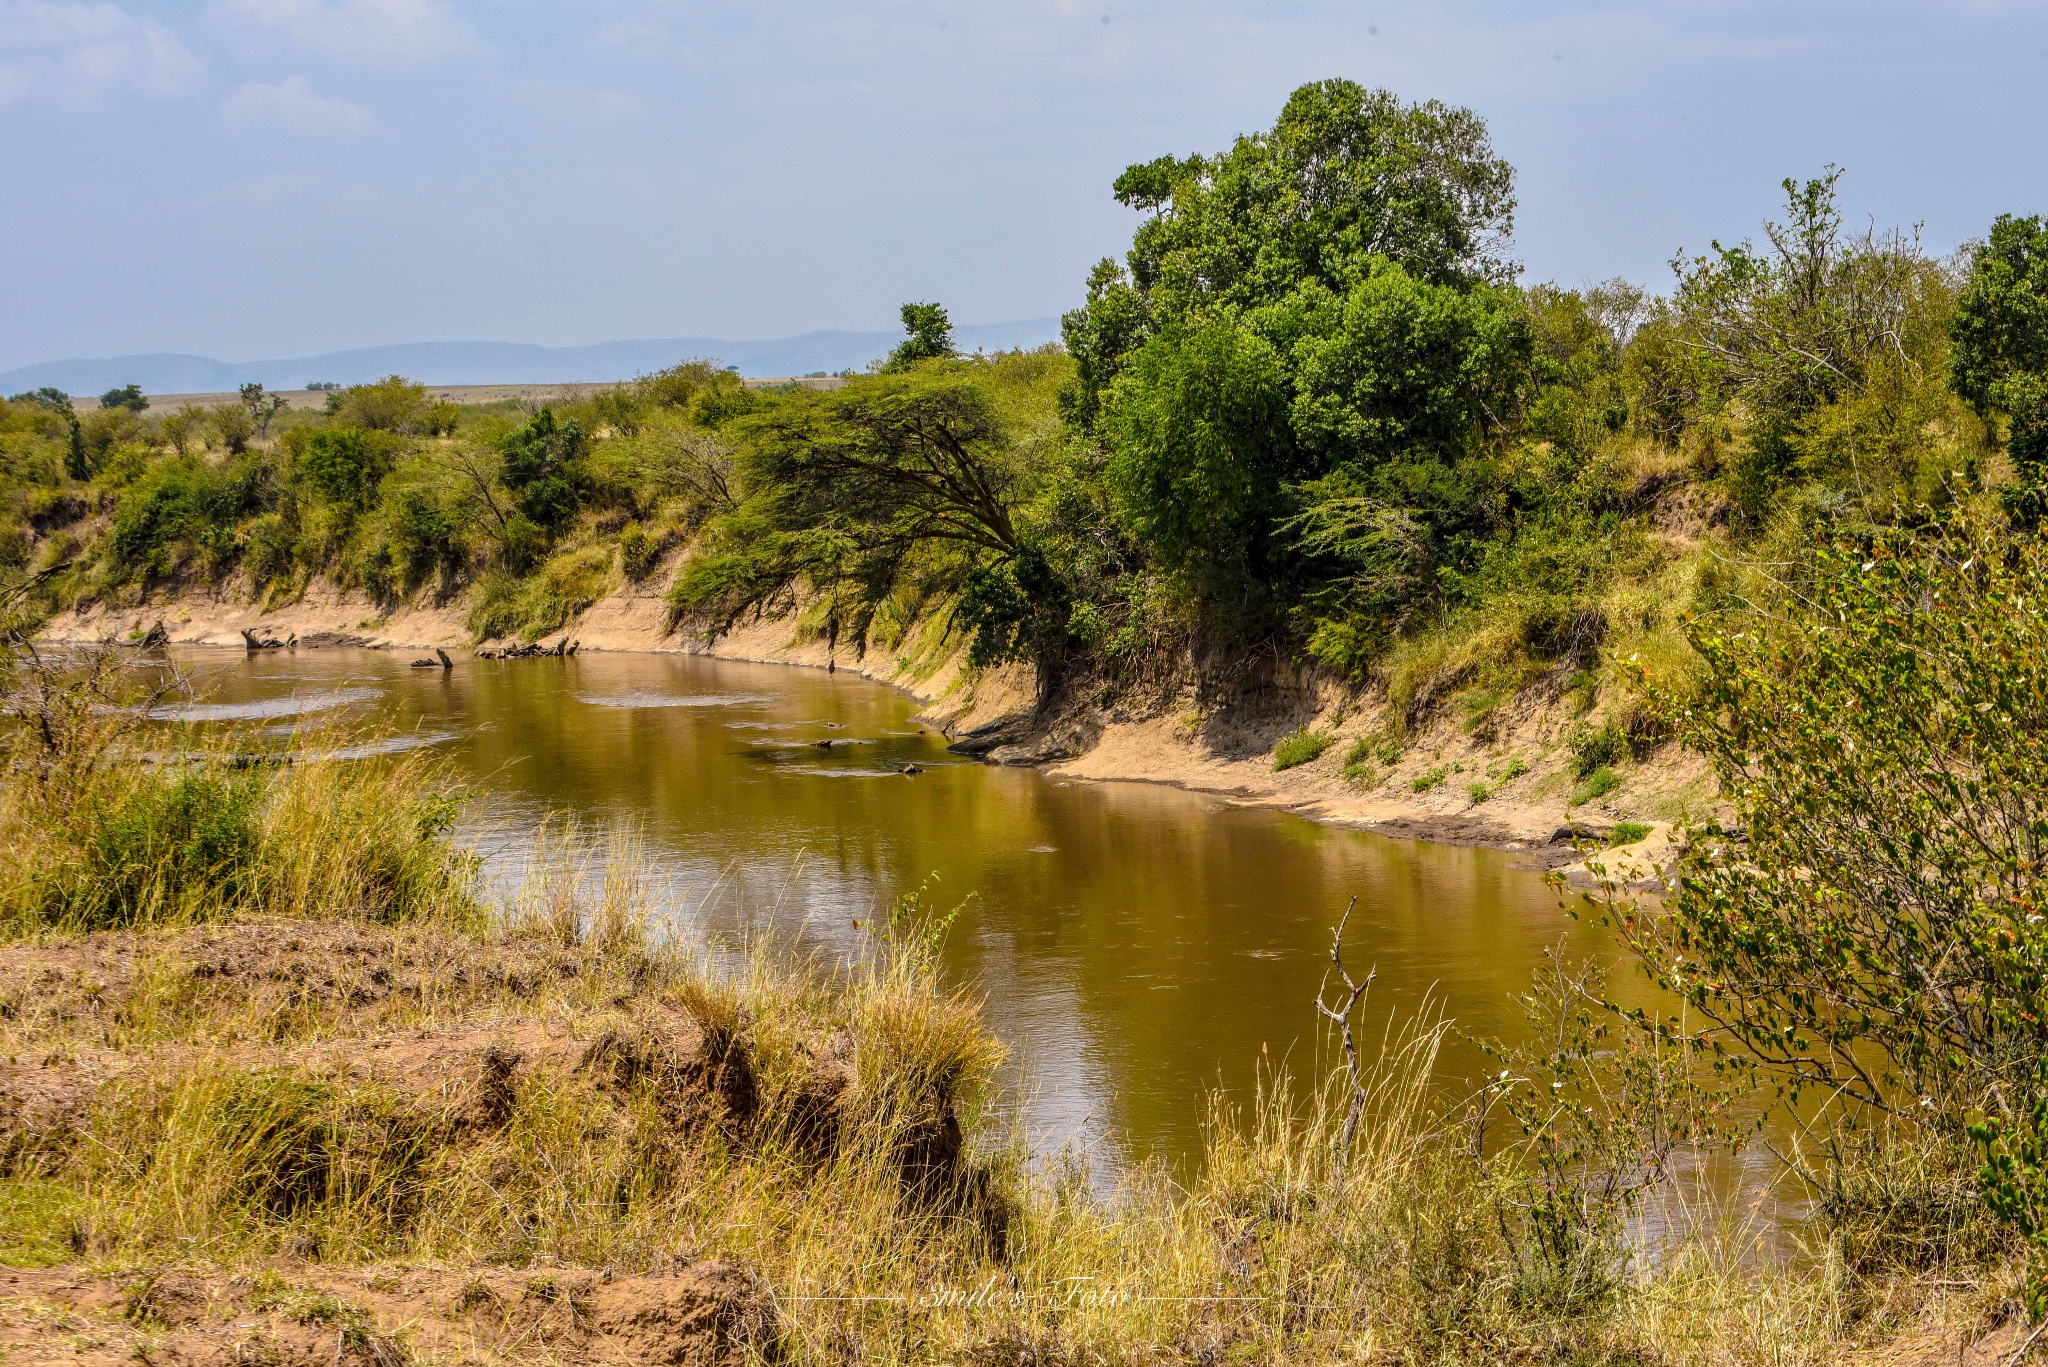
{"x": 1325, "y": 298}
{"x": 1200, "y": 447}
{"x": 50, "y": 397}
{"x": 1403, "y": 369}
{"x": 930, "y": 337}
{"x": 1346, "y": 178}
{"x": 337, "y": 464}
{"x": 542, "y": 464}
{"x": 128, "y": 396}
{"x": 1999, "y": 364}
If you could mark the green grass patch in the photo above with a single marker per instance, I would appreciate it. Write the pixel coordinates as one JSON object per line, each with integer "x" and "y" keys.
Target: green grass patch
{"x": 1358, "y": 766}
{"x": 1429, "y": 778}
{"x": 1598, "y": 784}
{"x": 37, "y": 1223}
{"x": 1478, "y": 791}
{"x": 1627, "y": 833}
{"x": 1300, "y": 748}
{"x": 1595, "y": 747}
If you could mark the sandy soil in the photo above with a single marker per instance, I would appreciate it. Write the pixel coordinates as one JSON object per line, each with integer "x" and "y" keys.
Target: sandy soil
{"x": 1428, "y": 792}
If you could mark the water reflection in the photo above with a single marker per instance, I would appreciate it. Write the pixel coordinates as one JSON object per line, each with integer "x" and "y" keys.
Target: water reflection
{"x": 1136, "y": 944}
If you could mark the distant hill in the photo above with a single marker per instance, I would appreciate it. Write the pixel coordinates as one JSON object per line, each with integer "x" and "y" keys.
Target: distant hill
{"x": 502, "y": 362}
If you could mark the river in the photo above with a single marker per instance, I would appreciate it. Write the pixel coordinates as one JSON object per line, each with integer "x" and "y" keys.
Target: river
{"x": 1136, "y": 945}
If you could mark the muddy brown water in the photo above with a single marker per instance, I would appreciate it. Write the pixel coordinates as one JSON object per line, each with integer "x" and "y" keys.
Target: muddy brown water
{"x": 1137, "y": 945}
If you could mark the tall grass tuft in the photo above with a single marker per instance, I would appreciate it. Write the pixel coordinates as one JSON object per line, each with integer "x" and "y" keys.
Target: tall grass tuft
{"x": 112, "y": 819}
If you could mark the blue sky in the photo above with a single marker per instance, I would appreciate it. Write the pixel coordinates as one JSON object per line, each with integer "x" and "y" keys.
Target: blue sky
{"x": 252, "y": 178}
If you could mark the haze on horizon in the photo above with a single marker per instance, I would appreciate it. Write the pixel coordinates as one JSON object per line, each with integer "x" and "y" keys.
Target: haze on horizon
{"x": 254, "y": 178}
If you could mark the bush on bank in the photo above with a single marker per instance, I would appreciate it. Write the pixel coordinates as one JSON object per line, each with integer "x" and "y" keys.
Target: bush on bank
{"x": 114, "y": 820}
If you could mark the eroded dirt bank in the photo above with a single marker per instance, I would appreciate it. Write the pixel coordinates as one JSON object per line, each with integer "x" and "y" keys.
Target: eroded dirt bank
{"x": 1512, "y": 785}
{"x": 241, "y": 1138}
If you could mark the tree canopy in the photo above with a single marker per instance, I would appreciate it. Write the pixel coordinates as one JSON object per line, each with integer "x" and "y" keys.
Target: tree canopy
{"x": 1327, "y": 296}
{"x": 930, "y": 337}
{"x": 2000, "y": 361}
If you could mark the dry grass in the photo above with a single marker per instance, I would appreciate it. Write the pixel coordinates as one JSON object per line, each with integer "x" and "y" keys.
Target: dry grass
{"x": 113, "y": 818}
{"x": 559, "y": 1115}
{"x": 324, "y": 1095}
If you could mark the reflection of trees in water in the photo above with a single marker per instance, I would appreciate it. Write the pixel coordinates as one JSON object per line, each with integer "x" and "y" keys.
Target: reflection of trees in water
{"x": 1135, "y": 944}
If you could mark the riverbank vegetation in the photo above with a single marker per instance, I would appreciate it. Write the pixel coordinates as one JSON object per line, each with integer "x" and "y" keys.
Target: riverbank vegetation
{"x": 242, "y": 1118}
{"x": 276, "y": 1069}
{"x": 1313, "y": 417}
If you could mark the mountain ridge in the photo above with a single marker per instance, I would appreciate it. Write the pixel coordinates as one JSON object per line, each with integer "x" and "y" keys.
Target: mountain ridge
{"x": 450, "y": 363}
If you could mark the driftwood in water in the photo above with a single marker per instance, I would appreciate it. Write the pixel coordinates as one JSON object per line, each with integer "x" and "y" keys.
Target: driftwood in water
{"x": 256, "y": 642}
{"x": 156, "y": 638}
{"x": 440, "y": 661}
{"x": 534, "y": 651}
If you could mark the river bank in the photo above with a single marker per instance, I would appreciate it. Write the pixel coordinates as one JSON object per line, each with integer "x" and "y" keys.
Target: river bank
{"x": 1511, "y": 784}
{"x": 545, "y": 1137}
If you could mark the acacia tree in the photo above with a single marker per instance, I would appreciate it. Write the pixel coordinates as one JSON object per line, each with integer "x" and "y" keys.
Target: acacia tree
{"x": 849, "y": 494}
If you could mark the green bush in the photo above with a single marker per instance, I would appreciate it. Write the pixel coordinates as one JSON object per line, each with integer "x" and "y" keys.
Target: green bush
{"x": 185, "y": 503}
{"x": 638, "y": 552}
{"x": 163, "y": 842}
{"x": 337, "y": 465}
{"x": 1594, "y": 746}
{"x": 1877, "y": 939}
{"x": 427, "y": 536}
{"x": 1477, "y": 791}
{"x": 1358, "y": 764}
{"x": 1598, "y": 784}
{"x": 1627, "y": 833}
{"x": 1429, "y": 778}
{"x": 1300, "y": 748}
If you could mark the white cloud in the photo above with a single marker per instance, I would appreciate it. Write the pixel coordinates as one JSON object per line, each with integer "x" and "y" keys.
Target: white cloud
{"x": 76, "y": 53}
{"x": 405, "y": 32}
{"x": 292, "y": 104}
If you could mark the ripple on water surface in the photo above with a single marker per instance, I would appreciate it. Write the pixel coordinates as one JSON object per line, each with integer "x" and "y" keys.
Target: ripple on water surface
{"x": 391, "y": 745}
{"x": 292, "y": 705}
{"x": 671, "y": 699}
